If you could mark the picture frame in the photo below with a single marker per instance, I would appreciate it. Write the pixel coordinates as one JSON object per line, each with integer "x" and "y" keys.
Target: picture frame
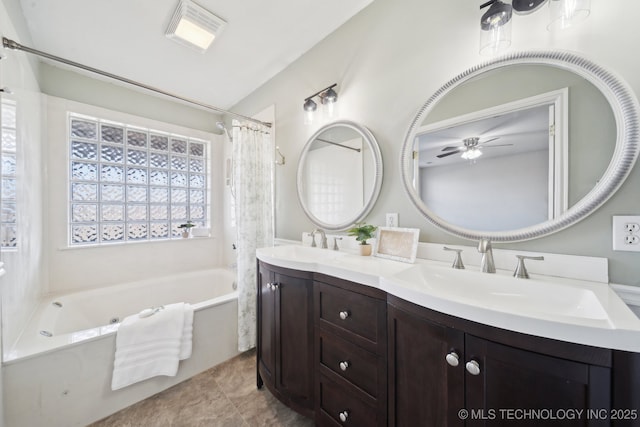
{"x": 398, "y": 244}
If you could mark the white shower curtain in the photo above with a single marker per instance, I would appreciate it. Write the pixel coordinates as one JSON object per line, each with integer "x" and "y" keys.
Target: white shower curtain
{"x": 253, "y": 163}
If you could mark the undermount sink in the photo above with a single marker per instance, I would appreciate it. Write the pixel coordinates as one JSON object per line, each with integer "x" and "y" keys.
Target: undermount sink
{"x": 298, "y": 254}
{"x": 499, "y": 292}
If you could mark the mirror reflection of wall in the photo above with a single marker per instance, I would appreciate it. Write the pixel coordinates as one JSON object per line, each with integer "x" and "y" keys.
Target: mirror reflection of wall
{"x": 471, "y": 195}
{"x": 457, "y": 160}
{"x": 334, "y": 179}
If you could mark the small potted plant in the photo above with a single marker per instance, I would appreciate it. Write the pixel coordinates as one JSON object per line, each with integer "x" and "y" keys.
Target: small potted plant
{"x": 186, "y": 228}
{"x": 363, "y": 232}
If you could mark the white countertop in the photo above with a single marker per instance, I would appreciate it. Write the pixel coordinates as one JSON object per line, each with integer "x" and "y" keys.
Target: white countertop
{"x": 577, "y": 311}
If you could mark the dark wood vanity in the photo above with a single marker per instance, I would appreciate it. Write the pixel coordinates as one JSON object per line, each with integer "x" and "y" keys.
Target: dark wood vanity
{"x": 349, "y": 354}
{"x": 285, "y": 336}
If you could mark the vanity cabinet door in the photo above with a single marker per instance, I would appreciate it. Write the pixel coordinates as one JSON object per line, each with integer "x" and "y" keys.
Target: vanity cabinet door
{"x": 294, "y": 331}
{"x": 285, "y": 336}
{"x": 266, "y": 333}
{"x": 425, "y": 389}
{"x": 507, "y": 379}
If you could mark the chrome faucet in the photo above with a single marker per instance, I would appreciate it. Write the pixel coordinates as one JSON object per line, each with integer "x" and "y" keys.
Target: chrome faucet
{"x": 335, "y": 243}
{"x": 457, "y": 262}
{"x": 324, "y": 238}
{"x": 521, "y": 271}
{"x": 486, "y": 263}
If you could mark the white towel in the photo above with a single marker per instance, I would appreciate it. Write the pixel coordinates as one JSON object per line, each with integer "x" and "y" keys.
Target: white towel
{"x": 187, "y": 333}
{"x": 150, "y": 346}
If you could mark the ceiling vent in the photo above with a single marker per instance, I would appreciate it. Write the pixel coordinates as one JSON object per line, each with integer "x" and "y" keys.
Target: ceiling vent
{"x": 194, "y": 26}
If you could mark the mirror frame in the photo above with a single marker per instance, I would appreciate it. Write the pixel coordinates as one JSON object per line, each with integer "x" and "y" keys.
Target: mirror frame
{"x": 371, "y": 142}
{"x": 625, "y": 110}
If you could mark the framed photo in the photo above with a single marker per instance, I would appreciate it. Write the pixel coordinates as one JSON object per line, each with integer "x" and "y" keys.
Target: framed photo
{"x": 398, "y": 244}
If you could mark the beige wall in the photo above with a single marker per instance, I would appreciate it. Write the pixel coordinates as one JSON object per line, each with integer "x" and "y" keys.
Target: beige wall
{"x": 391, "y": 57}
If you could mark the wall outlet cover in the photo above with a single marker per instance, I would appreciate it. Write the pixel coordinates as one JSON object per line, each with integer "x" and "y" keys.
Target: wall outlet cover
{"x": 392, "y": 220}
{"x": 626, "y": 233}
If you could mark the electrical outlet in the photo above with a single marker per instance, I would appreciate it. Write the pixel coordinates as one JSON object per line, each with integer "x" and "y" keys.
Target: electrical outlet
{"x": 631, "y": 227}
{"x": 631, "y": 239}
{"x": 626, "y": 233}
{"x": 392, "y": 220}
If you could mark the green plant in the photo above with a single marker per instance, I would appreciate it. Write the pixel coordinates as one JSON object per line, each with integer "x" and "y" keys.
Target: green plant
{"x": 363, "y": 232}
{"x": 186, "y": 226}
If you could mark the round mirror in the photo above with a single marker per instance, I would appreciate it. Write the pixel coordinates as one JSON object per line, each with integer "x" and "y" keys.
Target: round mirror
{"x": 520, "y": 147}
{"x": 339, "y": 175}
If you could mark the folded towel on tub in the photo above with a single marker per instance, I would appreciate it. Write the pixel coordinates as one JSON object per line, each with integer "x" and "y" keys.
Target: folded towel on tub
{"x": 187, "y": 334}
{"x": 152, "y": 343}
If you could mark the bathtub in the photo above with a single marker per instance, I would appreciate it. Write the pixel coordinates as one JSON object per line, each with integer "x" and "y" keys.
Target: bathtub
{"x": 58, "y": 373}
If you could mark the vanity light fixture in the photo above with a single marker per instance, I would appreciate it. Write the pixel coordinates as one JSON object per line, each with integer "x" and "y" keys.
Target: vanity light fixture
{"x": 194, "y": 26}
{"x": 565, "y": 13}
{"x": 328, "y": 98}
{"x": 495, "y": 23}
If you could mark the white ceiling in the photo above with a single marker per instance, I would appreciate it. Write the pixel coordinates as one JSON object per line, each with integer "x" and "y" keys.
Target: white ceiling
{"x": 506, "y": 134}
{"x": 126, "y": 38}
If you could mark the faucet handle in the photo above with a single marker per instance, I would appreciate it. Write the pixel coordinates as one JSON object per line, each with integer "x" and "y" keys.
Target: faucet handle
{"x": 521, "y": 270}
{"x": 457, "y": 262}
{"x": 313, "y": 239}
{"x": 335, "y": 243}
{"x": 484, "y": 245}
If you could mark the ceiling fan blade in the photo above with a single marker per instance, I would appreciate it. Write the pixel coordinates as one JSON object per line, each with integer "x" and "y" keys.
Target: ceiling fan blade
{"x": 498, "y": 145}
{"x": 450, "y": 148}
{"x": 489, "y": 140}
{"x": 447, "y": 154}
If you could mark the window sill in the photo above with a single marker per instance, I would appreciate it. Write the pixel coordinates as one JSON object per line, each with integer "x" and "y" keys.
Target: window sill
{"x": 135, "y": 243}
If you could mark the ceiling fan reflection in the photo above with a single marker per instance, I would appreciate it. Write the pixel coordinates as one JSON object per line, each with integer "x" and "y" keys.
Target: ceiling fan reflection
{"x": 470, "y": 149}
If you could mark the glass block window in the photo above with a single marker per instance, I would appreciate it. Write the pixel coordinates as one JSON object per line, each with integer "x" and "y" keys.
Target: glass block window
{"x": 8, "y": 154}
{"x": 131, "y": 184}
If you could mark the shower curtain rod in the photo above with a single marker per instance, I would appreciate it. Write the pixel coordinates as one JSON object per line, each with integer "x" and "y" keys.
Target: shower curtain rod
{"x": 11, "y": 44}
{"x": 338, "y": 144}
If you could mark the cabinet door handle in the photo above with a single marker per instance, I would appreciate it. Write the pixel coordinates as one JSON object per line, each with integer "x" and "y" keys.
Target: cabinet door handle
{"x": 269, "y": 285}
{"x": 453, "y": 359}
{"x": 344, "y": 315}
{"x": 274, "y": 286}
{"x": 344, "y": 365}
{"x": 344, "y": 415}
{"x": 473, "y": 367}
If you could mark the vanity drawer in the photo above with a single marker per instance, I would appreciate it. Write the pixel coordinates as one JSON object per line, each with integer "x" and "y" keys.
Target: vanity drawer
{"x": 345, "y": 313}
{"x": 335, "y": 399}
{"x": 360, "y": 367}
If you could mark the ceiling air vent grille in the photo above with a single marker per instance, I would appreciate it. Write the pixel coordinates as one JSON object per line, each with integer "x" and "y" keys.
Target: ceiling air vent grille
{"x": 194, "y": 26}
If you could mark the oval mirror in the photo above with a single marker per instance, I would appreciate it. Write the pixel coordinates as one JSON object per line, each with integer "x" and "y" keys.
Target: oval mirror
{"x": 520, "y": 147}
{"x": 339, "y": 175}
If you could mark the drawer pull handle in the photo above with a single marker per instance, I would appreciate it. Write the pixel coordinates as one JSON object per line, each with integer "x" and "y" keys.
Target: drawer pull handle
{"x": 453, "y": 359}
{"x": 344, "y": 315}
{"x": 344, "y": 415}
{"x": 473, "y": 367}
{"x": 344, "y": 365}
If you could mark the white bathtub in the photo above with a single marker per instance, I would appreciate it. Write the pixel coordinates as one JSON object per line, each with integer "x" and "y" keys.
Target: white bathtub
{"x": 64, "y": 379}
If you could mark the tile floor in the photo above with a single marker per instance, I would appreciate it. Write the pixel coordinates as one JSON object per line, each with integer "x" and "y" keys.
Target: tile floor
{"x": 223, "y": 396}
